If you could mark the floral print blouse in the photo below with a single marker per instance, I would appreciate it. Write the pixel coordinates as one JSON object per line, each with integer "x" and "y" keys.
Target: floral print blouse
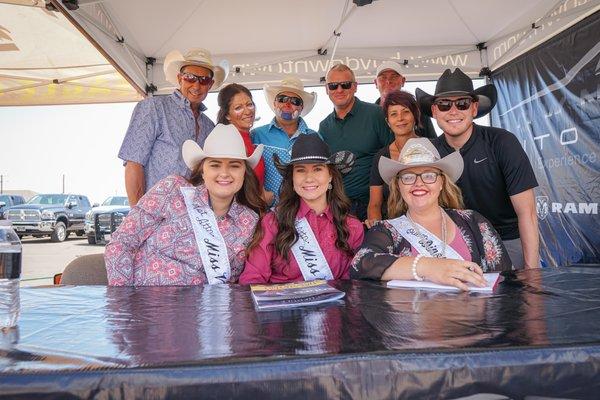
{"x": 384, "y": 244}
{"x": 155, "y": 244}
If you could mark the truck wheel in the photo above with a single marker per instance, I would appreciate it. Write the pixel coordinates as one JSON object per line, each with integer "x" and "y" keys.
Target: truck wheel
{"x": 60, "y": 232}
{"x": 91, "y": 239}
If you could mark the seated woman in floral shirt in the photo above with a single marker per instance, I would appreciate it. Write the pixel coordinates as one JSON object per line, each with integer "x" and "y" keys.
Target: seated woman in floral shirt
{"x": 430, "y": 237}
{"x": 196, "y": 231}
{"x": 310, "y": 234}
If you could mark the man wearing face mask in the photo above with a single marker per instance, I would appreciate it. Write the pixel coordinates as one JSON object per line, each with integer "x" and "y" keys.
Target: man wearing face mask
{"x": 151, "y": 149}
{"x": 290, "y": 102}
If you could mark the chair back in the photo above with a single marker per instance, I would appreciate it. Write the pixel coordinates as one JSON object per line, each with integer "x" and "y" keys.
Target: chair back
{"x": 85, "y": 270}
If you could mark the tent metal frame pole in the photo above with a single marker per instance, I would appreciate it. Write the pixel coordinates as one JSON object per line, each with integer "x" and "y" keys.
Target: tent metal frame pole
{"x": 111, "y": 60}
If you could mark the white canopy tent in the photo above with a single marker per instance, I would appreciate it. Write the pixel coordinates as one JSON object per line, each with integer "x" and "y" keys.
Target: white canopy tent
{"x": 44, "y": 59}
{"x": 263, "y": 38}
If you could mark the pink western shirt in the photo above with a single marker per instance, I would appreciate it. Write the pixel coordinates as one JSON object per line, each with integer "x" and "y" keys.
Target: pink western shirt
{"x": 264, "y": 266}
{"x": 155, "y": 244}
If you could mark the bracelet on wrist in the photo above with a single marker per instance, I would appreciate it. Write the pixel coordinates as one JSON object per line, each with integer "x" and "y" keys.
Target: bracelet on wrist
{"x": 414, "y": 268}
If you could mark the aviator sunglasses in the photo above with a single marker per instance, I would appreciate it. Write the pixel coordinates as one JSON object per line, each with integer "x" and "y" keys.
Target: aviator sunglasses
{"x": 296, "y": 101}
{"x": 191, "y": 78}
{"x": 446, "y": 104}
{"x": 345, "y": 85}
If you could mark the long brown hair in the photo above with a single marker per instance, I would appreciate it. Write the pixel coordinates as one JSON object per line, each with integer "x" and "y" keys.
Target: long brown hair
{"x": 289, "y": 204}
{"x": 250, "y": 195}
{"x": 450, "y": 196}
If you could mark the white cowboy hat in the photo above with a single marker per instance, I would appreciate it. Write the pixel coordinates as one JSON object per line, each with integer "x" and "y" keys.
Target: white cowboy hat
{"x": 174, "y": 61}
{"x": 291, "y": 83}
{"x": 420, "y": 152}
{"x": 224, "y": 141}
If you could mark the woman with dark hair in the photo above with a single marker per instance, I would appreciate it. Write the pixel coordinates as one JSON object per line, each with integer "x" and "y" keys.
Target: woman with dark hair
{"x": 310, "y": 234}
{"x": 402, "y": 115}
{"x": 196, "y": 231}
{"x": 237, "y": 108}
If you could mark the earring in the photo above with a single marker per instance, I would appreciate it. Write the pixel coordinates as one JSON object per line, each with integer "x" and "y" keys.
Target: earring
{"x": 329, "y": 187}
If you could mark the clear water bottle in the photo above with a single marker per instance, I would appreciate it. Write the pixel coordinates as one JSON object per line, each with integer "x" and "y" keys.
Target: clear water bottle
{"x": 10, "y": 273}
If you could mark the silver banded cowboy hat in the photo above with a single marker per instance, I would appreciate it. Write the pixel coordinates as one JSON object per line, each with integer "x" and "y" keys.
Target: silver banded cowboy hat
{"x": 311, "y": 149}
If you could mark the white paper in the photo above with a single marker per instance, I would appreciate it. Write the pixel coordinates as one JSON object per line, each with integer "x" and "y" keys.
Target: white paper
{"x": 491, "y": 279}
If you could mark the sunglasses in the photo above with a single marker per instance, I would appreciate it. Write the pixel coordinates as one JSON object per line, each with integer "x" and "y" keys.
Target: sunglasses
{"x": 334, "y": 85}
{"x": 191, "y": 78}
{"x": 427, "y": 177}
{"x": 296, "y": 101}
{"x": 446, "y": 104}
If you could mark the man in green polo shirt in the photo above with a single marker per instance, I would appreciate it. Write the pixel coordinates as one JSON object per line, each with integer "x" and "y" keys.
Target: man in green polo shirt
{"x": 355, "y": 126}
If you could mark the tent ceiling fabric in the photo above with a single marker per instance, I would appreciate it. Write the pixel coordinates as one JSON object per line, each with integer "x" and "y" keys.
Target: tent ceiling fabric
{"x": 263, "y": 38}
{"x": 44, "y": 60}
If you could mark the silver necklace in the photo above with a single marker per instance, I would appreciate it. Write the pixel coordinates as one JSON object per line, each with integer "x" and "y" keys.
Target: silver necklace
{"x": 424, "y": 242}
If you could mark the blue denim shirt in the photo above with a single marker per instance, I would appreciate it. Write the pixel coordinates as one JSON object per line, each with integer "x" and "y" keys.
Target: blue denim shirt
{"x": 277, "y": 141}
{"x": 159, "y": 126}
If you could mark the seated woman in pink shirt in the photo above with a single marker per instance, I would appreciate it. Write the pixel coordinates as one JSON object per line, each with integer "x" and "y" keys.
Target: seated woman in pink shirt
{"x": 196, "y": 231}
{"x": 310, "y": 234}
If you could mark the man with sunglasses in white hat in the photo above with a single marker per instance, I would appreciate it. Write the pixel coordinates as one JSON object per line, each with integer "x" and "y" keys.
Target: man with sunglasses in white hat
{"x": 151, "y": 149}
{"x": 355, "y": 126}
{"x": 290, "y": 102}
{"x": 498, "y": 179}
{"x": 389, "y": 78}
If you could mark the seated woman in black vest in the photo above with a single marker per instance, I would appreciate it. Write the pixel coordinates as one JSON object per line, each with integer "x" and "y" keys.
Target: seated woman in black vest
{"x": 429, "y": 236}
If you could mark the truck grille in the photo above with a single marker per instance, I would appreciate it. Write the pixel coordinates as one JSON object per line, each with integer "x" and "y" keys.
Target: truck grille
{"x": 109, "y": 222}
{"x": 24, "y": 215}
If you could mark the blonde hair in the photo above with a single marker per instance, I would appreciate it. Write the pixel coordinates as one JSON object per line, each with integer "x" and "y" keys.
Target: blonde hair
{"x": 450, "y": 196}
{"x": 342, "y": 68}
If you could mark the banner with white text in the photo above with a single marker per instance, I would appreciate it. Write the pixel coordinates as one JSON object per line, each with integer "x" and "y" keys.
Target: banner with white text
{"x": 550, "y": 99}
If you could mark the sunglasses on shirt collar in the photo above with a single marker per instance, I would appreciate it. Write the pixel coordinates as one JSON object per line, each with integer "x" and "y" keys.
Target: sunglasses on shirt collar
{"x": 334, "y": 85}
{"x": 295, "y": 101}
{"x": 191, "y": 78}
{"x": 446, "y": 104}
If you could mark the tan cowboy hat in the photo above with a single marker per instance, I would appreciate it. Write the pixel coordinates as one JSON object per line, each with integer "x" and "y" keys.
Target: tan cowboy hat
{"x": 174, "y": 61}
{"x": 420, "y": 152}
{"x": 291, "y": 83}
{"x": 224, "y": 141}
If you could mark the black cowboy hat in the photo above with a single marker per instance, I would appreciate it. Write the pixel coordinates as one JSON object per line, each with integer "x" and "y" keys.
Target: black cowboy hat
{"x": 457, "y": 83}
{"x": 311, "y": 149}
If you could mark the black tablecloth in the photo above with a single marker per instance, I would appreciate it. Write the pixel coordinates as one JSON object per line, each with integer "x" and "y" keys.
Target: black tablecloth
{"x": 538, "y": 334}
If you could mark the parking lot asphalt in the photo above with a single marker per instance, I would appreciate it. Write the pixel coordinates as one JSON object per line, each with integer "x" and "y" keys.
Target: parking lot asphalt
{"x": 42, "y": 258}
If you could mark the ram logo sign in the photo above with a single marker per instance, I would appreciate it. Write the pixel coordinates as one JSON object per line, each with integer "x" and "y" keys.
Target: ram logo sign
{"x": 543, "y": 207}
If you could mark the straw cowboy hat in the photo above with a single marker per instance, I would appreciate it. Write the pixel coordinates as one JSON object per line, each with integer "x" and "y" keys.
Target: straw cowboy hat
{"x": 420, "y": 152}
{"x": 174, "y": 61}
{"x": 311, "y": 149}
{"x": 224, "y": 141}
{"x": 457, "y": 83}
{"x": 291, "y": 83}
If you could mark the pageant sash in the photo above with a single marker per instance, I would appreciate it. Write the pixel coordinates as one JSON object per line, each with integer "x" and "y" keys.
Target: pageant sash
{"x": 405, "y": 228}
{"x": 308, "y": 253}
{"x": 211, "y": 245}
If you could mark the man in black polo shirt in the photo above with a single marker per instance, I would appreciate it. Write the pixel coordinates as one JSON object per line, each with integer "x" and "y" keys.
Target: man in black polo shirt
{"x": 355, "y": 126}
{"x": 498, "y": 179}
{"x": 389, "y": 78}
